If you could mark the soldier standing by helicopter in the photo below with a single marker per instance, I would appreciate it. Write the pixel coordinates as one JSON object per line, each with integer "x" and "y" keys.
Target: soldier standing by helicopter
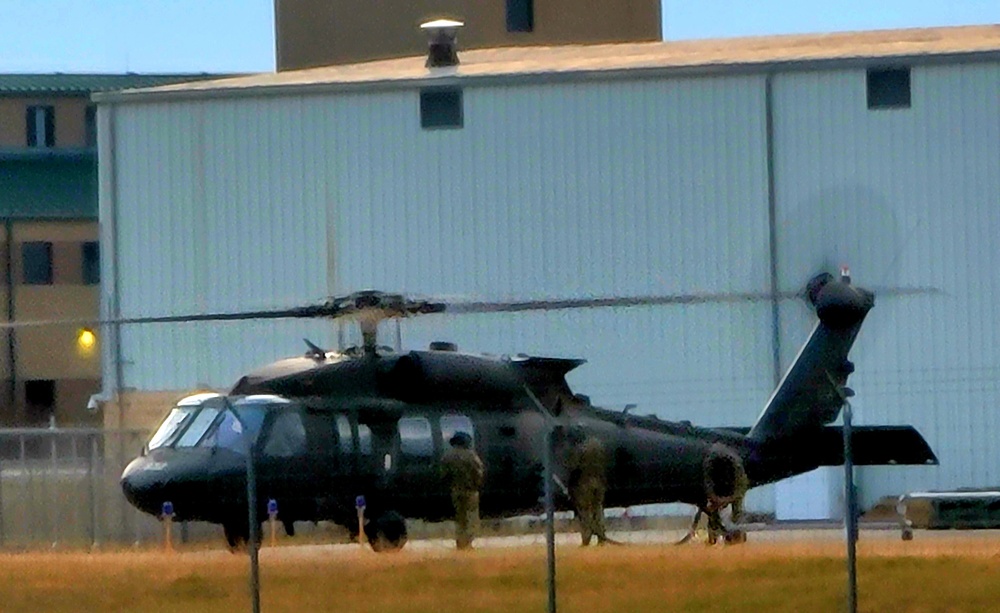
{"x": 587, "y": 465}
{"x": 463, "y": 471}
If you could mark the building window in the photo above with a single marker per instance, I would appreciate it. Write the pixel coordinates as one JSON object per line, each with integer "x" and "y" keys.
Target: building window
{"x": 36, "y": 263}
{"x": 41, "y": 126}
{"x": 39, "y": 399}
{"x": 888, "y": 88}
{"x": 90, "y": 126}
{"x": 91, "y": 262}
{"x": 441, "y": 108}
{"x": 520, "y": 15}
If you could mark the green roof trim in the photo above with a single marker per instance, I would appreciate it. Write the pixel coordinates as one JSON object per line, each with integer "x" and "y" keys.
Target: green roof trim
{"x": 85, "y": 83}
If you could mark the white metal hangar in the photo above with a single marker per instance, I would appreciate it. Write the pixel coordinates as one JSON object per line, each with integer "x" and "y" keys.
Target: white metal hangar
{"x": 742, "y": 165}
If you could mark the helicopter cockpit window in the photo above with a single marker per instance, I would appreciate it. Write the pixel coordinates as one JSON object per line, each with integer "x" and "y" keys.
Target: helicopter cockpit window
{"x": 415, "y": 437}
{"x": 171, "y": 425}
{"x": 287, "y": 437}
{"x": 453, "y": 424}
{"x": 199, "y": 426}
{"x": 345, "y": 439}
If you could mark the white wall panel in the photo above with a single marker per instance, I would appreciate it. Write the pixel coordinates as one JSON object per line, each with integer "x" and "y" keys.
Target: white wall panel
{"x": 907, "y": 197}
{"x": 210, "y": 218}
{"x": 586, "y": 189}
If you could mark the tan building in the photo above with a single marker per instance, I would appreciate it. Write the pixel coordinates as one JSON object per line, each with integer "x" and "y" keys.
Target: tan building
{"x": 49, "y": 254}
{"x": 322, "y": 32}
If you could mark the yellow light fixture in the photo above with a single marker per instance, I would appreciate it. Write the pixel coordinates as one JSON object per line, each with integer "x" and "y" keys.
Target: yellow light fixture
{"x": 85, "y": 338}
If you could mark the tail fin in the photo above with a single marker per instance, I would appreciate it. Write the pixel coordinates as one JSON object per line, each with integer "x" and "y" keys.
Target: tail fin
{"x": 808, "y": 396}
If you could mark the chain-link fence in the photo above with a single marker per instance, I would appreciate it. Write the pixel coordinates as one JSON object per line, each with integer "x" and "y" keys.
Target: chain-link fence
{"x": 59, "y": 488}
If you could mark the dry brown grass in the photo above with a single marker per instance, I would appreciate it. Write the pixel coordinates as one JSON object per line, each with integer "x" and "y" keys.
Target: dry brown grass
{"x": 924, "y": 575}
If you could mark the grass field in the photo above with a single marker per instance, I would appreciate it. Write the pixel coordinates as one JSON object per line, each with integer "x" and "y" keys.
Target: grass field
{"x": 923, "y": 575}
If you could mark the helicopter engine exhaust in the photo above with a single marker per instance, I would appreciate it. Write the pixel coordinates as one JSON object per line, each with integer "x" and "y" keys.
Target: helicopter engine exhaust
{"x": 724, "y": 476}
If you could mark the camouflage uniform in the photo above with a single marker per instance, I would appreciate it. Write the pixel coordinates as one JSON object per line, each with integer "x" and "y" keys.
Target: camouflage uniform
{"x": 715, "y": 505}
{"x": 463, "y": 471}
{"x": 587, "y": 466}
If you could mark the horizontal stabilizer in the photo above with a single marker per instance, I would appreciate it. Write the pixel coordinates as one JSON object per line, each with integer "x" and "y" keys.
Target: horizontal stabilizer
{"x": 874, "y": 446}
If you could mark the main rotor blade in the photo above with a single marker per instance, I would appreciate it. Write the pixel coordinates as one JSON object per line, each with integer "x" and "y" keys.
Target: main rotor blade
{"x": 322, "y": 310}
{"x": 379, "y": 306}
{"x": 613, "y": 302}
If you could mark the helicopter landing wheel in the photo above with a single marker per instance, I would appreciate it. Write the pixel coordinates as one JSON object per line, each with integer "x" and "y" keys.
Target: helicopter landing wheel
{"x": 387, "y": 533}
{"x": 237, "y": 535}
{"x": 735, "y": 537}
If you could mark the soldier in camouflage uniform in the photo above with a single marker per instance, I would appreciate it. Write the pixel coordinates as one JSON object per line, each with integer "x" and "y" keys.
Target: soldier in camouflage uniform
{"x": 715, "y": 505}
{"x": 463, "y": 471}
{"x": 587, "y": 466}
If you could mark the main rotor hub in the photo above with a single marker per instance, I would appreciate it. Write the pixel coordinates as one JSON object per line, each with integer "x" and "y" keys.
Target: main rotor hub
{"x": 371, "y": 307}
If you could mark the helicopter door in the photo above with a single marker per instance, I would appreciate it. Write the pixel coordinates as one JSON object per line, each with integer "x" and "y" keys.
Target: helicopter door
{"x": 378, "y": 450}
{"x": 285, "y": 467}
{"x": 324, "y": 456}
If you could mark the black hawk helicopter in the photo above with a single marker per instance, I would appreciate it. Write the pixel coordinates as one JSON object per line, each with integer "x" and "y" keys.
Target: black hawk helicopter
{"x": 328, "y": 426}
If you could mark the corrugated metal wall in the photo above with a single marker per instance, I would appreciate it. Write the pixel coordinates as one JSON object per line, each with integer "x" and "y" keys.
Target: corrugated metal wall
{"x": 593, "y": 188}
{"x": 908, "y": 197}
{"x": 211, "y": 216}
{"x": 588, "y": 189}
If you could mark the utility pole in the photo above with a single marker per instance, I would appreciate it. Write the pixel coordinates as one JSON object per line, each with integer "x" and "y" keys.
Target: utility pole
{"x": 850, "y": 497}
{"x": 549, "y": 504}
{"x": 253, "y": 533}
{"x": 851, "y": 512}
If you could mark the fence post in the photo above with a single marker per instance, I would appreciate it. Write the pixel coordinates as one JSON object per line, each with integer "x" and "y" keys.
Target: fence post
{"x": 53, "y": 517}
{"x": 92, "y": 494}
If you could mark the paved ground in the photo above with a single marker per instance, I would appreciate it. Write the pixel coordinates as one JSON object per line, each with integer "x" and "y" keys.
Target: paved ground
{"x": 798, "y": 536}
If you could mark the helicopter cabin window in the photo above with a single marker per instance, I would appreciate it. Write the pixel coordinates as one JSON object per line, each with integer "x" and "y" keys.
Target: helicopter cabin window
{"x": 345, "y": 440}
{"x": 415, "y": 438}
{"x": 287, "y": 437}
{"x": 199, "y": 426}
{"x": 364, "y": 439}
{"x": 453, "y": 424}
{"x": 171, "y": 425}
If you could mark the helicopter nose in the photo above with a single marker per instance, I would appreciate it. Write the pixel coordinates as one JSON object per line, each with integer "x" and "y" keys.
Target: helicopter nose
{"x": 143, "y": 485}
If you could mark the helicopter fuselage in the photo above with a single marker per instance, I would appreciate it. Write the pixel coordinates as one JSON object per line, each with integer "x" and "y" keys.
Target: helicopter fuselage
{"x": 328, "y": 428}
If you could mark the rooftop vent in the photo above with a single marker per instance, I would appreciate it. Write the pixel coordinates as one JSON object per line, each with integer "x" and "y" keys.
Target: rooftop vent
{"x": 443, "y": 346}
{"x": 442, "y": 36}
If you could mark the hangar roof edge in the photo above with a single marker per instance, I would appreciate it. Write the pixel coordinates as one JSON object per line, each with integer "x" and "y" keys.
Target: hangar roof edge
{"x": 573, "y": 61}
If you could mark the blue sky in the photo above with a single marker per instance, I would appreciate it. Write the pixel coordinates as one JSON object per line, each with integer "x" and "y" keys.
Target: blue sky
{"x": 238, "y": 35}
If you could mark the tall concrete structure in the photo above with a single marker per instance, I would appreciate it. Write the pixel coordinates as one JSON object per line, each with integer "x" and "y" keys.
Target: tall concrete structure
{"x": 322, "y": 32}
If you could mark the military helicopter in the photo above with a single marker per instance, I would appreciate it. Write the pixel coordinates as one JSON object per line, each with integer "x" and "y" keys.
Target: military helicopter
{"x": 327, "y": 427}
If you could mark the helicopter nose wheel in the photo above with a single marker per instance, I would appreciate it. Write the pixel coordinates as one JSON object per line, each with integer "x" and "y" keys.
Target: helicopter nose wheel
{"x": 387, "y": 533}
